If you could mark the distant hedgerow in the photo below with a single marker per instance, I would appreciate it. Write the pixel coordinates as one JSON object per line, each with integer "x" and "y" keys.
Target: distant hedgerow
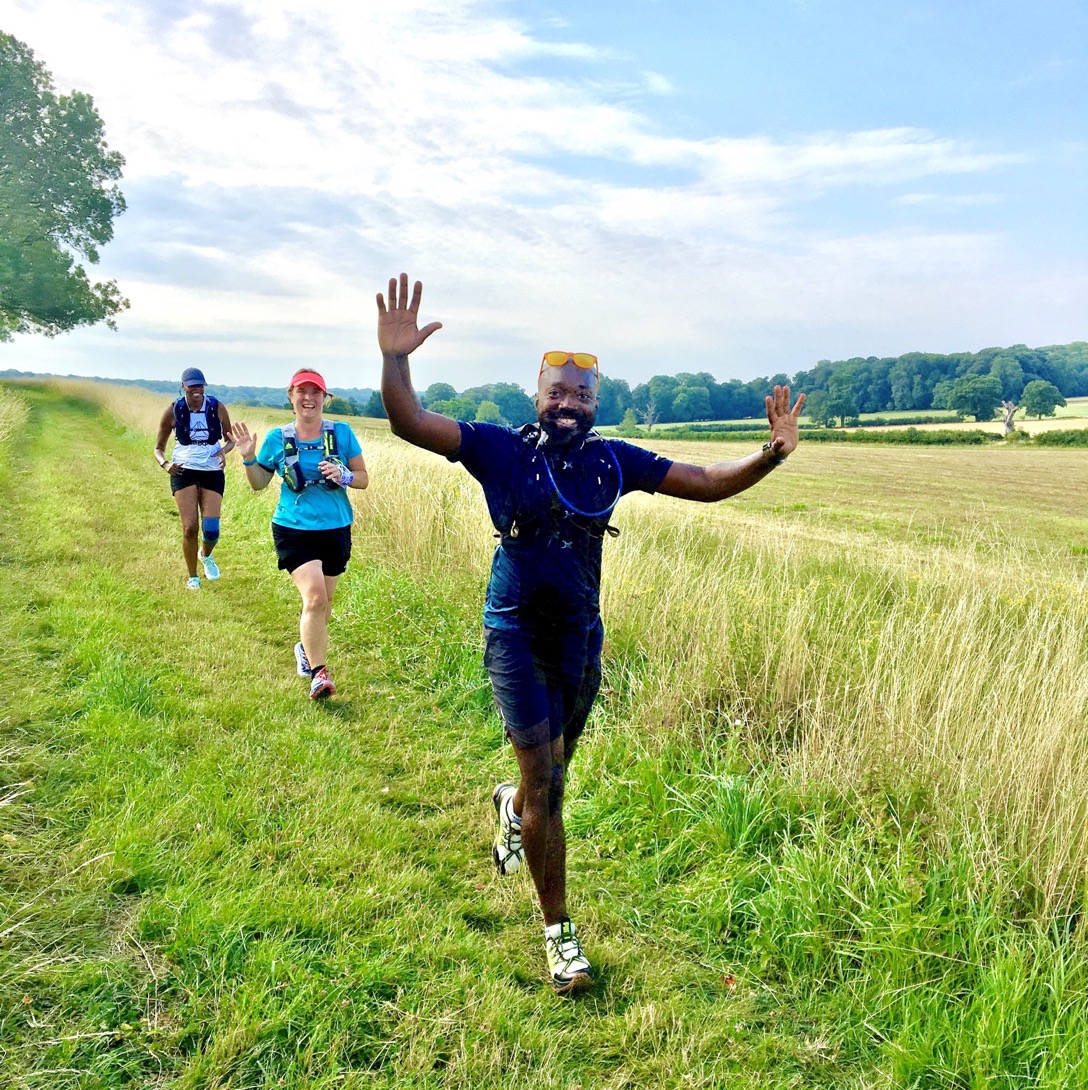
{"x": 908, "y": 436}
{"x": 975, "y": 437}
{"x": 1062, "y": 438}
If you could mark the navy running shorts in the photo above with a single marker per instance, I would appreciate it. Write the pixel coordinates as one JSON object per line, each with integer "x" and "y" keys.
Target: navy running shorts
{"x": 297, "y": 547}
{"x": 544, "y": 684}
{"x": 214, "y": 480}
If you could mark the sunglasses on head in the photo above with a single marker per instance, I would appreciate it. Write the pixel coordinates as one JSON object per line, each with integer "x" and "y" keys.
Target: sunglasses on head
{"x": 580, "y": 359}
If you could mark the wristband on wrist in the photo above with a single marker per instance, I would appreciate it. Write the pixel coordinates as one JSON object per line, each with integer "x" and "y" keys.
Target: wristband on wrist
{"x": 770, "y": 457}
{"x": 251, "y": 462}
{"x": 346, "y": 477}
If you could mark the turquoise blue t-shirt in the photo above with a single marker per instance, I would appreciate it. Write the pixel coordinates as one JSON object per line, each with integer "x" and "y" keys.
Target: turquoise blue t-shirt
{"x": 317, "y": 507}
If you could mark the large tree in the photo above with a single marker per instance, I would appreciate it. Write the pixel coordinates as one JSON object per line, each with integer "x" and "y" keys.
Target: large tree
{"x": 614, "y": 399}
{"x": 976, "y": 395}
{"x": 58, "y": 200}
{"x": 1040, "y": 398}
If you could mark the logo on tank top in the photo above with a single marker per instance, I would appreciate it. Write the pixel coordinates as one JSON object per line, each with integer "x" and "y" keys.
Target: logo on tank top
{"x": 198, "y": 427}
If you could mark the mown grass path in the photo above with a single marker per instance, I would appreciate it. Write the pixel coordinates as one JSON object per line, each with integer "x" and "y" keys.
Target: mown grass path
{"x": 208, "y": 881}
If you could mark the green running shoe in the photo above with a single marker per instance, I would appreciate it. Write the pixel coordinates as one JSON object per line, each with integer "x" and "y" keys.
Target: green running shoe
{"x": 506, "y": 852}
{"x": 567, "y": 963}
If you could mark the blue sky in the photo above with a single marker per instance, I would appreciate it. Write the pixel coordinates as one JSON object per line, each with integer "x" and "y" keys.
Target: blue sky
{"x": 740, "y": 188}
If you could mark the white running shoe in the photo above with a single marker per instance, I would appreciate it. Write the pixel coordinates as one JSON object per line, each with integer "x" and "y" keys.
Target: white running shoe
{"x": 567, "y": 963}
{"x": 506, "y": 852}
{"x": 211, "y": 568}
{"x": 321, "y": 686}
{"x": 302, "y": 663}
{"x": 193, "y": 582}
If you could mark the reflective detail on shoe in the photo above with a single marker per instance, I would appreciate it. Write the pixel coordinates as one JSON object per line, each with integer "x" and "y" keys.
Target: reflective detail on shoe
{"x": 302, "y": 663}
{"x": 321, "y": 685}
{"x": 193, "y": 582}
{"x": 569, "y": 967}
{"x": 211, "y": 568}
{"x": 506, "y": 852}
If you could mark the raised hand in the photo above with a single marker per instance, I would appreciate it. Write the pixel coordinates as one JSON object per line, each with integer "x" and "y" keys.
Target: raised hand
{"x": 244, "y": 440}
{"x": 398, "y": 325}
{"x": 783, "y": 420}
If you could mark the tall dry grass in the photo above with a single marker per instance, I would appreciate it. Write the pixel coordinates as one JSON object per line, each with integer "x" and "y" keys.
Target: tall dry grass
{"x": 14, "y": 411}
{"x": 957, "y": 666}
{"x": 957, "y": 669}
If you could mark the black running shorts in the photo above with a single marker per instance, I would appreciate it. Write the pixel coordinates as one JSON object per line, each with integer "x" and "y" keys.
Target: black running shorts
{"x": 214, "y": 480}
{"x": 544, "y": 685}
{"x": 297, "y": 547}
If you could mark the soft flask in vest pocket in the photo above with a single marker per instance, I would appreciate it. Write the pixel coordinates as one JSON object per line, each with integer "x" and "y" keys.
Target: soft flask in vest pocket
{"x": 292, "y": 474}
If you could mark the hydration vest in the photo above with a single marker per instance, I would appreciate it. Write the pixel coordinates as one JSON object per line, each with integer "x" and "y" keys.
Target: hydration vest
{"x": 182, "y": 413}
{"x": 292, "y": 471}
{"x": 594, "y": 523}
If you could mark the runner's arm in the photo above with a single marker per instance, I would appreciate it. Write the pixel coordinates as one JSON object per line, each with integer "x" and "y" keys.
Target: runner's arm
{"x": 715, "y": 482}
{"x": 399, "y": 336}
{"x": 357, "y": 465}
{"x": 224, "y": 420}
{"x": 163, "y": 435}
{"x": 724, "y": 479}
{"x": 407, "y": 417}
{"x": 331, "y": 471}
{"x": 246, "y": 441}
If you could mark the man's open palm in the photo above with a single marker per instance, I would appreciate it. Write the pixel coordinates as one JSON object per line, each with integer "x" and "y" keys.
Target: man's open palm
{"x": 783, "y": 420}
{"x": 398, "y": 324}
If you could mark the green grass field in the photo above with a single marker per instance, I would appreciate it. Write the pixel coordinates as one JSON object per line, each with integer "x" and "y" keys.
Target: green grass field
{"x": 827, "y": 828}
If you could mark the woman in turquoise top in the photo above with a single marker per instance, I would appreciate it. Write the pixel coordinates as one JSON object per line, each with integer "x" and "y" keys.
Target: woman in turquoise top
{"x": 318, "y": 461}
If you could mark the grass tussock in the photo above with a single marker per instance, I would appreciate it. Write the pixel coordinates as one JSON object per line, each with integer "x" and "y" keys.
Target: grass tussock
{"x": 14, "y": 411}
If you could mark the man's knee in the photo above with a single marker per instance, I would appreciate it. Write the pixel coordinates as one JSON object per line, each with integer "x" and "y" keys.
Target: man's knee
{"x": 190, "y": 530}
{"x": 536, "y": 780}
{"x": 555, "y": 789}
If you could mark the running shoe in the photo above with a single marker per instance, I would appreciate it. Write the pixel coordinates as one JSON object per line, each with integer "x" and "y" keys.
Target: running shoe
{"x": 567, "y": 963}
{"x": 301, "y": 661}
{"x": 506, "y": 853}
{"x": 211, "y": 568}
{"x": 321, "y": 684}
{"x": 193, "y": 582}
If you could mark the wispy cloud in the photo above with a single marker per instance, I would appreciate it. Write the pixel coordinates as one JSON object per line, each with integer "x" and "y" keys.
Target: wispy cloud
{"x": 280, "y": 151}
{"x": 949, "y": 200}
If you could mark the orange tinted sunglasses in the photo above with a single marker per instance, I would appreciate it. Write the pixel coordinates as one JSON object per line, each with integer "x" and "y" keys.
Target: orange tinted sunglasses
{"x": 580, "y": 359}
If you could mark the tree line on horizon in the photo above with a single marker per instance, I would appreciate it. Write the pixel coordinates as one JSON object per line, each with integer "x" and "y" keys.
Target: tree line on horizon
{"x": 968, "y": 383}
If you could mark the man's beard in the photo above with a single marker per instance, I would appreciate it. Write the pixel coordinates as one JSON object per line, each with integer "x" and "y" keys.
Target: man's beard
{"x": 551, "y": 424}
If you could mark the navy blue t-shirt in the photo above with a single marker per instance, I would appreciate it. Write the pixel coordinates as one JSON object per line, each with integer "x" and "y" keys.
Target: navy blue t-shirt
{"x": 551, "y": 506}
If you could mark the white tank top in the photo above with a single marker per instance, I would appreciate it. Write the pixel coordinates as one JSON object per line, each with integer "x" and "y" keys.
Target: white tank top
{"x": 197, "y": 454}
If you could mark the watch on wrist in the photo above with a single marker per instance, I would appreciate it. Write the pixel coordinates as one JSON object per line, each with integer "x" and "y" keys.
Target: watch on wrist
{"x": 770, "y": 456}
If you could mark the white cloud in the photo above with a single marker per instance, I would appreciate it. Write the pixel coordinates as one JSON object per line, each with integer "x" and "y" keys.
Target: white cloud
{"x": 434, "y": 137}
{"x": 657, "y": 84}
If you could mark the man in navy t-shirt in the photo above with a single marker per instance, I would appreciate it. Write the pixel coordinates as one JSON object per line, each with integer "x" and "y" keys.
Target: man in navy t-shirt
{"x": 551, "y": 488}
